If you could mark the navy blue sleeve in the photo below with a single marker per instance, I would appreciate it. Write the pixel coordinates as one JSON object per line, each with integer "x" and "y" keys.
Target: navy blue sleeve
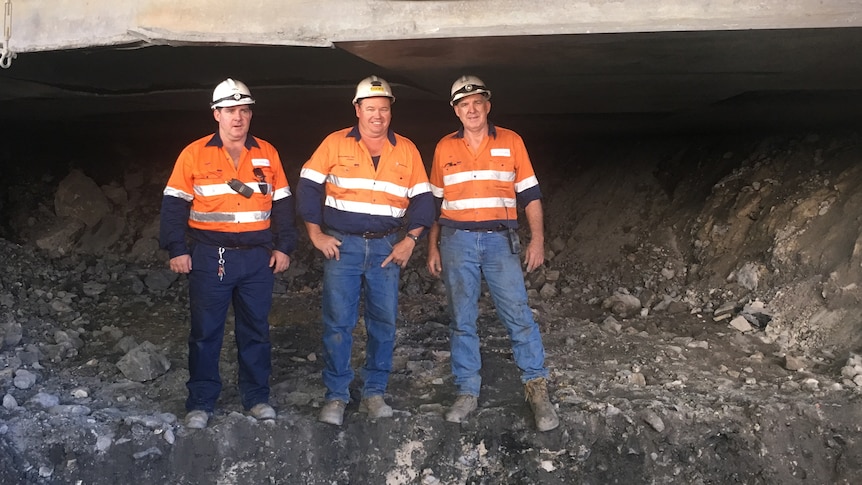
{"x": 173, "y": 222}
{"x": 420, "y": 212}
{"x": 438, "y": 205}
{"x": 529, "y": 195}
{"x": 309, "y": 201}
{"x": 283, "y": 224}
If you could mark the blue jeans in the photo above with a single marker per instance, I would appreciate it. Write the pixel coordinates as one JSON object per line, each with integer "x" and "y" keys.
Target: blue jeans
{"x": 358, "y": 270}
{"x": 467, "y": 256}
{"x": 247, "y": 283}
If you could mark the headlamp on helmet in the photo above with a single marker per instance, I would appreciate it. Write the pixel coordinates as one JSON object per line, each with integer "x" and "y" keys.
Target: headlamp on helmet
{"x": 371, "y": 87}
{"x": 467, "y": 85}
{"x": 231, "y": 93}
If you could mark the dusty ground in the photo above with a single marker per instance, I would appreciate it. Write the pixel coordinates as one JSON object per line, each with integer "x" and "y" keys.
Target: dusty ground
{"x": 665, "y": 392}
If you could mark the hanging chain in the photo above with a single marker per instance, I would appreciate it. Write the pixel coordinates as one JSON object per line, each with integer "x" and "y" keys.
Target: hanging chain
{"x": 6, "y": 55}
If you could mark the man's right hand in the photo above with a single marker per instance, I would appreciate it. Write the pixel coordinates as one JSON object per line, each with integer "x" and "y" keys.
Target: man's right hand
{"x": 181, "y": 264}
{"x": 434, "y": 264}
{"x": 326, "y": 244}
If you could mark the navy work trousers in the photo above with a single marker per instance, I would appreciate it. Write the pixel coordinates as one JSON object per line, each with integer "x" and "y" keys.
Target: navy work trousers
{"x": 247, "y": 283}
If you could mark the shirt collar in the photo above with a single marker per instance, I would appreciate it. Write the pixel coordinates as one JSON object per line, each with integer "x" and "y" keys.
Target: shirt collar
{"x": 492, "y": 131}
{"x": 215, "y": 141}
{"x": 354, "y": 132}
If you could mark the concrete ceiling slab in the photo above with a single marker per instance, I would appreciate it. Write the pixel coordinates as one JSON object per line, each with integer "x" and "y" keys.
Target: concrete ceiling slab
{"x": 660, "y": 80}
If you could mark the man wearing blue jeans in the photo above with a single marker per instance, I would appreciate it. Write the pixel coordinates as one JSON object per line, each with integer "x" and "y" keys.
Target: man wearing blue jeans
{"x": 480, "y": 175}
{"x": 360, "y": 188}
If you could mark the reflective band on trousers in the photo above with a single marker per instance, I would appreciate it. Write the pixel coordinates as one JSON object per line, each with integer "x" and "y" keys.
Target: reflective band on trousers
{"x": 253, "y": 216}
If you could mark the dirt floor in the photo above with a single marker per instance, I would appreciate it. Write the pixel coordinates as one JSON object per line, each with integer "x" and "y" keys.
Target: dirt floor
{"x": 659, "y": 254}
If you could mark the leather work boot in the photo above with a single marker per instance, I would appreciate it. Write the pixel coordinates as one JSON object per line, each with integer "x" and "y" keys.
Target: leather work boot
{"x": 262, "y": 411}
{"x": 332, "y": 412}
{"x": 464, "y": 405}
{"x": 376, "y": 407}
{"x": 197, "y": 419}
{"x": 536, "y": 391}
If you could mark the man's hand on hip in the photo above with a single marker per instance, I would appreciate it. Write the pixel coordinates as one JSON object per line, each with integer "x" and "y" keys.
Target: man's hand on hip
{"x": 327, "y": 245}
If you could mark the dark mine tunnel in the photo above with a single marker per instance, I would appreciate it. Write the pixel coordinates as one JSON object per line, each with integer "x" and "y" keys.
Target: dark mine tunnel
{"x": 699, "y": 300}
{"x": 142, "y": 103}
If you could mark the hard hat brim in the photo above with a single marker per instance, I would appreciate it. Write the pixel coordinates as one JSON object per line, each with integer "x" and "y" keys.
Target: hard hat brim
{"x": 391, "y": 98}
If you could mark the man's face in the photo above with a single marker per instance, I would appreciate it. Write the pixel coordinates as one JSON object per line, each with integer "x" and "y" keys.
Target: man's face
{"x": 374, "y": 115}
{"x": 473, "y": 111}
{"x": 233, "y": 122}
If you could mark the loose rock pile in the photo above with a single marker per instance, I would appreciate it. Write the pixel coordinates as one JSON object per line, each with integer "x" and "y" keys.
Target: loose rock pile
{"x": 680, "y": 335}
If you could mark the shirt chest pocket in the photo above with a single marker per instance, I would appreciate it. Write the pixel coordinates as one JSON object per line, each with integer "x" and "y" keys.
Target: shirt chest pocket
{"x": 504, "y": 164}
{"x": 346, "y": 167}
{"x": 502, "y": 170}
{"x": 400, "y": 170}
{"x": 208, "y": 176}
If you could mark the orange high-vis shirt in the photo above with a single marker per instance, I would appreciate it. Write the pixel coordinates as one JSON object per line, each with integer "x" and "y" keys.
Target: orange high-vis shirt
{"x": 482, "y": 186}
{"x": 201, "y": 174}
{"x": 354, "y": 185}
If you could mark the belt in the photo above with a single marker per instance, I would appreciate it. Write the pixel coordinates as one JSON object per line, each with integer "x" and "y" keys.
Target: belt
{"x": 485, "y": 229}
{"x": 378, "y": 235}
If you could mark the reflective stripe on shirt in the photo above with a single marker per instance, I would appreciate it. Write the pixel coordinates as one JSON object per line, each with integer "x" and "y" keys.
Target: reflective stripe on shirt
{"x": 478, "y": 203}
{"x": 365, "y": 207}
{"x": 238, "y": 217}
{"x": 479, "y": 175}
{"x": 178, "y": 193}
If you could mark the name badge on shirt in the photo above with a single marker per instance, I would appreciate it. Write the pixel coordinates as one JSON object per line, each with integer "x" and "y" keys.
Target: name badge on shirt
{"x": 261, "y": 162}
{"x": 500, "y": 152}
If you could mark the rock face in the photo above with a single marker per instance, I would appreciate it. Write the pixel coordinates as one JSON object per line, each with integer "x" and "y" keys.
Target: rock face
{"x": 699, "y": 326}
{"x": 143, "y": 363}
{"x": 78, "y": 197}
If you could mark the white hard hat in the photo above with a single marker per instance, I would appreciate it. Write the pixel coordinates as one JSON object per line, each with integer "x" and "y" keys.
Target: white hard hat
{"x": 231, "y": 93}
{"x": 467, "y": 85}
{"x": 371, "y": 87}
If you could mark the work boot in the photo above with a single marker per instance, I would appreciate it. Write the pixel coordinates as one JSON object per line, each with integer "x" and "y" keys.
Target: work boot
{"x": 332, "y": 412}
{"x": 262, "y": 411}
{"x": 197, "y": 419}
{"x": 376, "y": 407}
{"x": 536, "y": 391}
{"x": 464, "y": 404}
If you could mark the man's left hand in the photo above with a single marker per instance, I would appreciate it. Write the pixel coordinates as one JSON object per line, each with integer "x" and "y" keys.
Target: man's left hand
{"x": 535, "y": 255}
{"x": 401, "y": 252}
{"x": 279, "y": 261}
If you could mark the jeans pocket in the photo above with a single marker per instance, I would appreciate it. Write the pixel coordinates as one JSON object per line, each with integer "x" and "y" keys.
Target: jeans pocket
{"x": 389, "y": 240}
{"x": 446, "y": 232}
{"x": 336, "y": 234}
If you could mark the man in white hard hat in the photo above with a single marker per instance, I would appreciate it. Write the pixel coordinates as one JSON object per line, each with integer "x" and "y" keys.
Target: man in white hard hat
{"x": 365, "y": 200}
{"x": 480, "y": 175}
{"x": 227, "y": 220}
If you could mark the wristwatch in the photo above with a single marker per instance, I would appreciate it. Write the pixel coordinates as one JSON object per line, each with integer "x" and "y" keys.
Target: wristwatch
{"x": 414, "y": 238}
